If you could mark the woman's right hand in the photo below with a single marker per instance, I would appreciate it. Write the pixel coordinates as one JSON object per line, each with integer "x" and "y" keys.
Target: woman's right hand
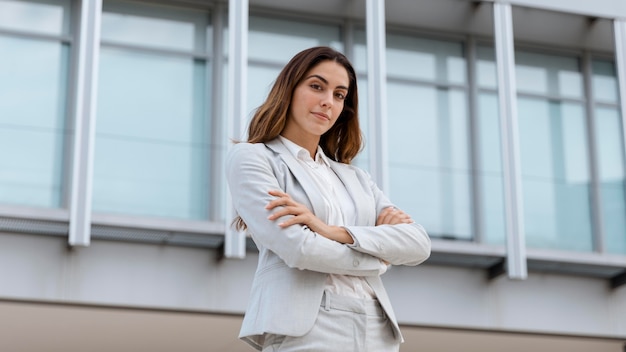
{"x": 393, "y": 216}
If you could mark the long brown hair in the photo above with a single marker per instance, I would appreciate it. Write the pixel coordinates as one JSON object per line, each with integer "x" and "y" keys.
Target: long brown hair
{"x": 344, "y": 140}
{"x": 341, "y": 143}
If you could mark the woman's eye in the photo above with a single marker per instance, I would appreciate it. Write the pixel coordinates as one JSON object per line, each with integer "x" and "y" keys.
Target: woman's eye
{"x": 316, "y": 86}
{"x": 340, "y": 96}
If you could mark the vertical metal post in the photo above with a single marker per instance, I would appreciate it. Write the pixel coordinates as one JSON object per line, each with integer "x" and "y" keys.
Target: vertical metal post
{"x": 619, "y": 27}
{"x": 474, "y": 138}
{"x": 595, "y": 192}
{"x": 235, "y": 241}
{"x": 507, "y": 101}
{"x": 84, "y": 122}
{"x": 377, "y": 91}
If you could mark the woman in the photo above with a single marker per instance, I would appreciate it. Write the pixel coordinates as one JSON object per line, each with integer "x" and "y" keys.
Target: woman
{"x": 324, "y": 230}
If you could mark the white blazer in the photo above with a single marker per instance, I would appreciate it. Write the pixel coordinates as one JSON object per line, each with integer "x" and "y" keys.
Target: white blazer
{"x": 295, "y": 261}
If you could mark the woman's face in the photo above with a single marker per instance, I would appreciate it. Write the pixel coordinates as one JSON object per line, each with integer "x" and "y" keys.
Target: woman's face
{"x": 317, "y": 101}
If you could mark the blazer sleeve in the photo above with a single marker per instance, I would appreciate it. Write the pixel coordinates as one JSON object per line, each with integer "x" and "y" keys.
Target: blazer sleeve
{"x": 250, "y": 177}
{"x": 401, "y": 244}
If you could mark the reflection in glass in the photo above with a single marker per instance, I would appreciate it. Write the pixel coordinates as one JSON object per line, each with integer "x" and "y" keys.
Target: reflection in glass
{"x": 260, "y": 81}
{"x": 32, "y": 135}
{"x": 612, "y": 178}
{"x": 287, "y": 38}
{"x": 147, "y": 31}
{"x": 425, "y": 59}
{"x": 490, "y": 173}
{"x": 39, "y": 17}
{"x": 555, "y": 174}
{"x": 428, "y": 157}
{"x": 152, "y": 147}
{"x": 486, "y": 73}
{"x": 604, "y": 81}
{"x": 548, "y": 75}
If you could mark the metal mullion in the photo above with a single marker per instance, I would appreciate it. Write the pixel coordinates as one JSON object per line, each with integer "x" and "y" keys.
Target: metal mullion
{"x": 377, "y": 91}
{"x": 80, "y": 203}
{"x": 474, "y": 138}
{"x": 423, "y": 82}
{"x": 217, "y": 118}
{"x": 235, "y": 241}
{"x": 33, "y": 35}
{"x": 513, "y": 203}
{"x": 599, "y": 244}
{"x": 160, "y": 51}
{"x": 619, "y": 27}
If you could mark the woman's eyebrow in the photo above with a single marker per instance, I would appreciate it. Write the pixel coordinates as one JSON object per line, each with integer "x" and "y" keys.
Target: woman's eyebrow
{"x": 325, "y": 80}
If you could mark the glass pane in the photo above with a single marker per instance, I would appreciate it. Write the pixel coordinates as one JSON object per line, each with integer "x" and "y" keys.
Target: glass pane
{"x": 260, "y": 81}
{"x": 287, "y": 38}
{"x": 32, "y": 136}
{"x": 174, "y": 29}
{"x": 429, "y": 175}
{"x": 604, "y": 81}
{"x": 359, "y": 52}
{"x": 47, "y": 17}
{"x": 612, "y": 178}
{"x": 152, "y": 147}
{"x": 490, "y": 173}
{"x": 548, "y": 75}
{"x": 431, "y": 60}
{"x": 486, "y": 72}
{"x": 555, "y": 174}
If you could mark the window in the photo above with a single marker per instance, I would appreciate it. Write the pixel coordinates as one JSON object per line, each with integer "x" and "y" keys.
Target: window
{"x": 429, "y": 148}
{"x": 610, "y": 155}
{"x": 489, "y": 171}
{"x": 35, "y": 43}
{"x": 152, "y": 148}
{"x": 554, "y": 151}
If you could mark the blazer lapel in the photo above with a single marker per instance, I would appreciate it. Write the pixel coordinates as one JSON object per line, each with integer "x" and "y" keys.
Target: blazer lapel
{"x": 308, "y": 184}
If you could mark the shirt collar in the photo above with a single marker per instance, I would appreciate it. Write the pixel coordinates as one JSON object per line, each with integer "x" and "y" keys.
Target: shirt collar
{"x": 302, "y": 154}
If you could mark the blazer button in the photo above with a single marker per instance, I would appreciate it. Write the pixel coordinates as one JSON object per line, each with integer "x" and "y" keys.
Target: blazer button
{"x": 355, "y": 262}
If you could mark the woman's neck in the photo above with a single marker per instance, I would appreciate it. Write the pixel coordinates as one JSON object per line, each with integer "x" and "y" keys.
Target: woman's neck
{"x": 310, "y": 144}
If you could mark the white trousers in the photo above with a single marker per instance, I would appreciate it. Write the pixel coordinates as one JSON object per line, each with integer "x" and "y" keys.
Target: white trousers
{"x": 344, "y": 324}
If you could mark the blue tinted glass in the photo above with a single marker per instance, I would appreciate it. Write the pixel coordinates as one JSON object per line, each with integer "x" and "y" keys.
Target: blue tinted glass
{"x": 286, "y": 38}
{"x": 152, "y": 149}
{"x": 32, "y": 135}
{"x": 486, "y": 67}
{"x": 260, "y": 81}
{"x": 156, "y": 32}
{"x": 604, "y": 81}
{"x": 611, "y": 174}
{"x": 431, "y": 60}
{"x": 428, "y": 158}
{"x": 47, "y": 17}
{"x": 490, "y": 172}
{"x": 555, "y": 174}
{"x": 548, "y": 75}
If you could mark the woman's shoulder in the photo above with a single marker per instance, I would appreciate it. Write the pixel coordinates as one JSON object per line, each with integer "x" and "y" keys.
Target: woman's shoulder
{"x": 246, "y": 151}
{"x": 245, "y": 147}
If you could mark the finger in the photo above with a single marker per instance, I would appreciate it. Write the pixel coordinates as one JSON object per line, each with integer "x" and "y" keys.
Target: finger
{"x": 284, "y": 211}
{"x": 277, "y": 193}
{"x": 388, "y": 215}
{"x": 276, "y": 203}
{"x": 381, "y": 216}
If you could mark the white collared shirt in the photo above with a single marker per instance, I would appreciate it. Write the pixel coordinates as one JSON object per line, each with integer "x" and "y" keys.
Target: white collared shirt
{"x": 339, "y": 207}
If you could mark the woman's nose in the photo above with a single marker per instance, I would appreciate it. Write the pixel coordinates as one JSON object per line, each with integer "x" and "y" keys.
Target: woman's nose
{"x": 327, "y": 100}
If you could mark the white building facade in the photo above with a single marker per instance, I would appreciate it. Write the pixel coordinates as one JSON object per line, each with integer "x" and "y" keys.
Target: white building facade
{"x": 498, "y": 125}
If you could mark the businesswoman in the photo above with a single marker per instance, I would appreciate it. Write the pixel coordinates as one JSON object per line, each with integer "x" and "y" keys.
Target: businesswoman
{"x": 324, "y": 230}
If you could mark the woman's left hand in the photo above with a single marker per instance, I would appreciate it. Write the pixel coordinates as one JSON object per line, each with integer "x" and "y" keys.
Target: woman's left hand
{"x": 303, "y": 216}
